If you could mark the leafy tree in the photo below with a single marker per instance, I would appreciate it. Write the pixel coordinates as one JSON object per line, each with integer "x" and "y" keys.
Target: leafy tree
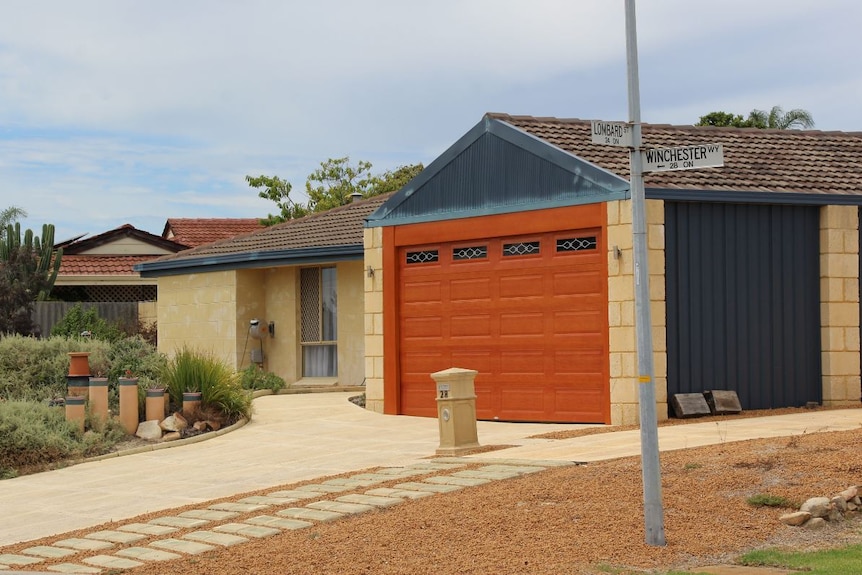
{"x": 79, "y": 321}
{"x": 28, "y": 269}
{"x": 330, "y": 186}
{"x": 277, "y": 190}
{"x": 11, "y": 215}
{"x": 775, "y": 119}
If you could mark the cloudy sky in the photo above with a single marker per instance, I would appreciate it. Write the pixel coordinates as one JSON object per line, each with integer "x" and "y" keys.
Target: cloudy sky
{"x": 134, "y": 111}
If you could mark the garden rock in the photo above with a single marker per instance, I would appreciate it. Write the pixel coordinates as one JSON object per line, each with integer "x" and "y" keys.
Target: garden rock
{"x": 795, "y": 519}
{"x": 850, "y": 494}
{"x": 817, "y": 506}
{"x": 175, "y": 422}
{"x": 149, "y": 430}
{"x": 172, "y": 436}
{"x": 815, "y": 523}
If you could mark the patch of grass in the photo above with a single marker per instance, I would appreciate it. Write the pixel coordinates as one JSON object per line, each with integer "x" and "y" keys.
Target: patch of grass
{"x": 255, "y": 378}
{"x": 766, "y": 500}
{"x": 690, "y": 466}
{"x": 839, "y": 561}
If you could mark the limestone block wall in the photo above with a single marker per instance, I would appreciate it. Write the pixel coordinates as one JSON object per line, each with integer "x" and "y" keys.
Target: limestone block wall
{"x": 839, "y": 305}
{"x": 622, "y": 344}
{"x": 373, "y": 288}
{"x": 251, "y": 289}
{"x": 198, "y": 310}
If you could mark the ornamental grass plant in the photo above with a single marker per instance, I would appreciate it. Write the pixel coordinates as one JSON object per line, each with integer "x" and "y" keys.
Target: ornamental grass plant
{"x": 220, "y": 387}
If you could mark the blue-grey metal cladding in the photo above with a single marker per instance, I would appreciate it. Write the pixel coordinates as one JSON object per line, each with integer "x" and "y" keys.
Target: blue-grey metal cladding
{"x": 743, "y": 301}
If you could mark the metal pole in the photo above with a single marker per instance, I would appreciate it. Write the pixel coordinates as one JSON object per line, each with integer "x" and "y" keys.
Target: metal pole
{"x": 653, "y": 512}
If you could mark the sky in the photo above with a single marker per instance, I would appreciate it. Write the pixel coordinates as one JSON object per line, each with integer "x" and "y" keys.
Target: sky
{"x": 136, "y": 111}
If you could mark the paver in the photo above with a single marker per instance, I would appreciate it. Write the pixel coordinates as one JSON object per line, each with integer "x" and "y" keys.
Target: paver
{"x": 313, "y": 514}
{"x": 182, "y": 546}
{"x": 246, "y": 530}
{"x": 402, "y": 493}
{"x": 182, "y": 522}
{"x": 520, "y": 469}
{"x": 238, "y": 507}
{"x": 463, "y": 481}
{"x": 84, "y": 544}
{"x": 48, "y": 552}
{"x": 293, "y": 493}
{"x": 320, "y": 488}
{"x": 112, "y": 562}
{"x": 115, "y": 536}
{"x": 431, "y": 487}
{"x": 14, "y": 559}
{"x": 147, "y": 554}
{"x": 267, "y": 500}
{"x": 280, "y": 522}
{"x": 489, "y": 461}
{"x": 339, "y": 507}
{"x": 147, "y": 529}
{"x": 395, "y": 472}
{"x": 437, "y": 466}
{"x": 348, "y": 482}
{"x": 381, "y": 477}
{"x": 223, "y": 539}
{"x": 73, "y": 568}
{"x": 209, "y": 514}
{"x": 373, "y": 500}
{"x": 495, "y": 475}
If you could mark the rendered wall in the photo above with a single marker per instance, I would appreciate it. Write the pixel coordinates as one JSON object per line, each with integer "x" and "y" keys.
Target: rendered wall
{"x": 839, "y": 305}
{"x": 198, "y": 311}
{"x": 351, "y": 322}
{"x": 621, "y": 310}
{"x": 282, "y": 351}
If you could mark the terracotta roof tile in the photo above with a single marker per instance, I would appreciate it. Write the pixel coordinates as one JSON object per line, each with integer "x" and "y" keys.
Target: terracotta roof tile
{"x": 811, "y": 162}
{"x": 85, "y": 265}
{"x": 194, "y": 232}
{"x": 342, "y": 226}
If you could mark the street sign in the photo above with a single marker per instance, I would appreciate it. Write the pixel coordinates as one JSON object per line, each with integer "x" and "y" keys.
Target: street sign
{"x": 682, "y": 158}
{"x": 612, "y": 133}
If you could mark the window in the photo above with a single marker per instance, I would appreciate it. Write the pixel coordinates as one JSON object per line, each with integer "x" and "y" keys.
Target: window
{"x": 319, "y": 322}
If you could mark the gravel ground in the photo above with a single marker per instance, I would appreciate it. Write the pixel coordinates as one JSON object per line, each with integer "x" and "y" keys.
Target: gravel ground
{"x": 580, "y": 520}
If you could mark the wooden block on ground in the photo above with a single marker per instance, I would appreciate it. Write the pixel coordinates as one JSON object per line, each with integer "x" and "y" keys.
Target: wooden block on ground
{"x": 722, "y": 401}
{"x": 689, "y": 405}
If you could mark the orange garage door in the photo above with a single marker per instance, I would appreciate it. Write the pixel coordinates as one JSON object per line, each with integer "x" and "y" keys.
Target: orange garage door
{"x": 529, "y": 313}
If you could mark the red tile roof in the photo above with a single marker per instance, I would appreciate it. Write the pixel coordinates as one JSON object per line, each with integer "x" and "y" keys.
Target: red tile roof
{"x": 809, "y": 162}
{"x": 194, "y": 232}
{"x": 86, "y": 265}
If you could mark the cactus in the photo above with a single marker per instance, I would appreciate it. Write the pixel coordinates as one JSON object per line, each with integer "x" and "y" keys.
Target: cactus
{"x": 46, "y": 262}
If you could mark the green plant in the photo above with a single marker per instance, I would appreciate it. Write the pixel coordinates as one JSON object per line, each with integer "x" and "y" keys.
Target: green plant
{"x": 690, "y": 466}
{"x": 765, "y": 500}
{"x": 34, "y": 435}
{"x": 193, "y": 371}
{"x": 79, "y": 320}
{"x": 254, "y": 378}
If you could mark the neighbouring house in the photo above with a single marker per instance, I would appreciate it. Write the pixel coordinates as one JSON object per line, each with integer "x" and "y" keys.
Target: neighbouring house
{"x": 99, "y": 270}
{"x": 511, "y": 254}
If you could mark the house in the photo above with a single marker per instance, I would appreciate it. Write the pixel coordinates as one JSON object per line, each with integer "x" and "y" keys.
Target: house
{"x": 511, "y": 254}
{"x": 193, "y": 232}
{"x": 301, "y": 281}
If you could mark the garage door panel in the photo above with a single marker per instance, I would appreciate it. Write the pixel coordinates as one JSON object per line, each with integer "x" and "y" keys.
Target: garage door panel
{"x": 519, "y": 285}
{"x": 523, "y": 363}
{"x": 418, "y": 366}
{"x": 578, "y": 282}
{"x": 422, "y": 291}
{"x": 578, "y": 322}
{"x": 522, "y": 401}
{"x": 588, "y": 362}
{"x": 422, "y": 328}
{"x": 532, "y": 323}
{"x": 471, "y": 289}
{"x": 461, "y": 326}
{"x": 579, "y": 405}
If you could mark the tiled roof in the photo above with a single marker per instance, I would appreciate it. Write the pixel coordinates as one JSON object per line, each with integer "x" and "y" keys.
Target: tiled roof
{"x": 342, "y": 226}
{"x": 199, "y": 231}
{"x": 86, "y": 265}
{"x": 82, "y": 243}
{"x": 809, "y": 162}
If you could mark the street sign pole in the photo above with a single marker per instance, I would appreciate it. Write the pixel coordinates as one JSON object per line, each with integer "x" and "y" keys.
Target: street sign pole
{"x": 651, "y": 471}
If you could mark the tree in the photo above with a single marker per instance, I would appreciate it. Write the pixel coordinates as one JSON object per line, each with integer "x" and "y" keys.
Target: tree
{"x": 775, "y": 119}
{"x": 330, "y": 186}
{"x": 28, "y": 269}
{"x": 11, "y": 215}
{"x": 277, "y": 190}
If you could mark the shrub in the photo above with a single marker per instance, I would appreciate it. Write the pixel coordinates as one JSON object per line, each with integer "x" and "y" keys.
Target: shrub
{"x": 36, "y": 369}
{"x": 78, "y": 320}
{"x": 219, "y": 385}
{"x": 254, "y": 378}
{"x": 764, "y": 500}
{"x": 34, "y": 434}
